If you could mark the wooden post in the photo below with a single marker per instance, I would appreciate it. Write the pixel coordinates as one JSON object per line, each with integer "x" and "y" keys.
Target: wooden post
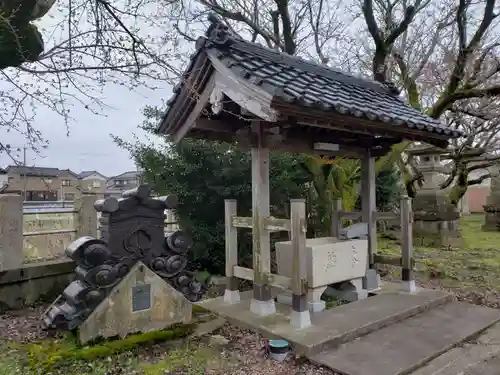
{"x": 300, "y": 317}
{"x": 262, "y": 302}
{"x": 368, "y": 202}
{"x": 85, "y": 216}
{"x": 232, "y": 294}
{"x": 407, "y": 274}
{"x": 11, "y": 232}
{"x": 336, "y": 219}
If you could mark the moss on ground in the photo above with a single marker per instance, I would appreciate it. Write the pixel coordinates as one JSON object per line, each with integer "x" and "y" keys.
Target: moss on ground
{"x": 66, "y": 356}
{"x": 475, "y": 265}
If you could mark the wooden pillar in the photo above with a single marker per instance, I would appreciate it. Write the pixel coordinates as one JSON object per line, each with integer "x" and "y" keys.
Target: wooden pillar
{"x": 407, "y": 274}
{"x": 231, "y": 294}
{"x": 336, "y": 219}
{"x": 262, "y": 302}
{"x": 368, "y": 202}
{"x": 300, "y": 317}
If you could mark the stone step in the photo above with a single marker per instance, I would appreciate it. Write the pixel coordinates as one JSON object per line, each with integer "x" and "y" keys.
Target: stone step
{"x": 403, "y": 347}
{"x": 480, "y": 356}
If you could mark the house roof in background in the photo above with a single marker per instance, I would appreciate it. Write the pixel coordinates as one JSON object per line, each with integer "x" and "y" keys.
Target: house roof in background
{"x": 125, "y": 175}
{"x": 85, "y": 174}
{"x": 39, "y": 171}
{"x": 56, "y": 172}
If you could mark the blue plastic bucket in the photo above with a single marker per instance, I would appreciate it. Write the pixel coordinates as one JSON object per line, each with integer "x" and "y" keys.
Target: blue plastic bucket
{"x": 278, "y": 349}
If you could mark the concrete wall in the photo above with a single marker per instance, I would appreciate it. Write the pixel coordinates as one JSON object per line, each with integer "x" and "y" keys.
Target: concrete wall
{"x": 44, "y": 235}
{"x": 38, "y": 246}
{"x": 34, "y": 283}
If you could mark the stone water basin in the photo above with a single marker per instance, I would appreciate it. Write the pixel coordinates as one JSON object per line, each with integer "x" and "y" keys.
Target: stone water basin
{"x": 328, "y": 260}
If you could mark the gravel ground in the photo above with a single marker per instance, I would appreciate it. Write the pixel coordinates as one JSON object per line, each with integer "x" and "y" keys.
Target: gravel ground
{"x": 247, "y": 347}
{"x": 23, "y": 325}
{"x": 241, "y": 351}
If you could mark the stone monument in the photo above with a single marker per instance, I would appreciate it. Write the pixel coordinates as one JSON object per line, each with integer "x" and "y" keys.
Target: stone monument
{"x": 133, "y": 278}
{"x": 492, "y": 206}
{"x": 436, "y": 220}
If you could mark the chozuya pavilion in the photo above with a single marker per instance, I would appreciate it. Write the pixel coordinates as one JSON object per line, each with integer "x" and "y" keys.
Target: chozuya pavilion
{"x": 241, "y": 92}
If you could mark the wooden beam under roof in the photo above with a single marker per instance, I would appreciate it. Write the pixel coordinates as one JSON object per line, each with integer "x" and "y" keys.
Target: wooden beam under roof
{"x": 288, "y": 141}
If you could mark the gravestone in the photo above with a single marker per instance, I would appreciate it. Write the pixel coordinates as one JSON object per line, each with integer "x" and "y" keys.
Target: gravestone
{"x": 436, "y": 220}
{"x": 133, "y": 246}
{"x": 492, "y": 207}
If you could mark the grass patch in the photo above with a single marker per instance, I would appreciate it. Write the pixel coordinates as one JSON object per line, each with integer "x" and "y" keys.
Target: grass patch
{"x": 186, "y": 360}
{"x": 10, "y": 363}
{"x": 476, "y": 264}
{"x": 331, "y": 302}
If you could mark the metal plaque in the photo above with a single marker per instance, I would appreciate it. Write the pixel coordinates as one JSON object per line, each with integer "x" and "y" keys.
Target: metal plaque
{"x": 141, "y": 297}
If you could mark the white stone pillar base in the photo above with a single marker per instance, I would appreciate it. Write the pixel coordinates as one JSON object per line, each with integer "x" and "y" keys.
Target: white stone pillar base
{"x": 231, "y": 297}
{"x": 300, "y": 319}
{"x": 262, "y": 308}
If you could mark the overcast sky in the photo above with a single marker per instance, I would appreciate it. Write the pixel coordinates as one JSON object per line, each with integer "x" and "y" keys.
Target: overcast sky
{"x": 89, "y": 145}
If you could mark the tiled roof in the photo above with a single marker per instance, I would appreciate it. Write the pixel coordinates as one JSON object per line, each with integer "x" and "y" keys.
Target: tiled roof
{"x": 291, "y": 80}
{"x": 39, "y": 171}
{"x": 85, "y": 174}
{"x": 35, "y": 171}
{"x": 130, "y": 175}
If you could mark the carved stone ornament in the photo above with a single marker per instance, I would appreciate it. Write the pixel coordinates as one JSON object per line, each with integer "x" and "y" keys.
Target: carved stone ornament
{"x": 132, "y": 230}
{"x": 216, "y": 100}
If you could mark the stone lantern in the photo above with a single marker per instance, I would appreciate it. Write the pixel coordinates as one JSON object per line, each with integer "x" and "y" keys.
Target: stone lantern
{"x": 436, "y": 220}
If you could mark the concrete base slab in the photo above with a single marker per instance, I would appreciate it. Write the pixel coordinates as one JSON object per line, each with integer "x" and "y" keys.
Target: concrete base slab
{"x": 331, "y": 327}
{"x": 408, "y": 345}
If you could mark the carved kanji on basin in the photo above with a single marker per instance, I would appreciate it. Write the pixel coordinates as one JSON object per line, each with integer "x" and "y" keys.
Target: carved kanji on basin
{"x": 132, "y": 229}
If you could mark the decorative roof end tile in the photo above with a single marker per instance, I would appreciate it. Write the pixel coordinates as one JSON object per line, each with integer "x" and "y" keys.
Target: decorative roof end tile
{"x": 218, "y": 32}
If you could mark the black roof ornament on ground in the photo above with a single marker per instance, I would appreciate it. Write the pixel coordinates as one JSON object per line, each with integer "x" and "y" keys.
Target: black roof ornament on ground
{"x": 307, "y": 101}
{"x": 132, "y": 230}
